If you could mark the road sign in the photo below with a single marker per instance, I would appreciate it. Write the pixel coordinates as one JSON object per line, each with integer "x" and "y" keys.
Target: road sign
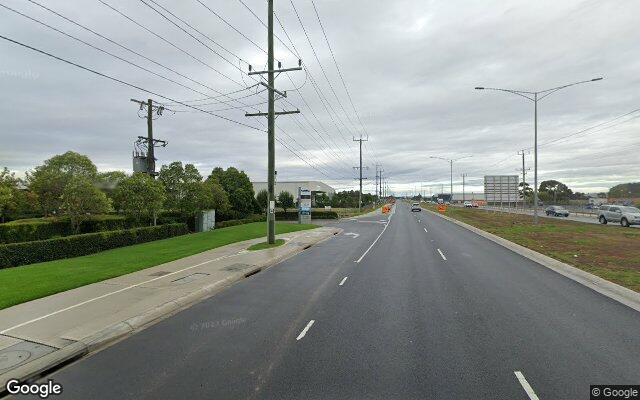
{"x": 304, "y": 206}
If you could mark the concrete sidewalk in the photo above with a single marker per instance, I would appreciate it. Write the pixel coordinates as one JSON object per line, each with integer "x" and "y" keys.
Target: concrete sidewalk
{"x": 40, "y": 334}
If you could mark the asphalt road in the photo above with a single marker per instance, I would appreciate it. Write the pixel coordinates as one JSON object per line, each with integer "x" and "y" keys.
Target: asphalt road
{"x": 431, "y": 311}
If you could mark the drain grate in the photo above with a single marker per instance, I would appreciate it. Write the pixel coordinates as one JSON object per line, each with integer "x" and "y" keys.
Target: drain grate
{"x": 21, "y": 353}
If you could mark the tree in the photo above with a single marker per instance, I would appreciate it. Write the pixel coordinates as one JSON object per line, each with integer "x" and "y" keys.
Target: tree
{"x": 553, "y": 190}
{"x": 285, "y": 200}
{"x": 214, "y": 196}
{"x": 140, "y": 196}
{"x": 80, "y": 198}
{"x": 625, "y": 190}
{"x": 49, "y": 180}
{"x": 263, "y": 199}
{"x": 183, "y": 187}
{"x": 8, "y": 186}
{"x": 239, "y": 188}
{"x": 525, "y": 191}
{"x": 322, "y": 200}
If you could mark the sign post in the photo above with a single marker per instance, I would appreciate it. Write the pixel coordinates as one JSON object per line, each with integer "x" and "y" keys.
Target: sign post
{"x": 304, "y": 206}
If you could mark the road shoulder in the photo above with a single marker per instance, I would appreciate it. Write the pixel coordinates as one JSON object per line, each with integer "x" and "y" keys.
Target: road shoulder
{"x": 612, "y": 290}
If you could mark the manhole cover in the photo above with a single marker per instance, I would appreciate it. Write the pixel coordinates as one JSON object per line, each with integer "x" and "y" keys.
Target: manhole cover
{"x": 237, "y": 267}
{"x": 13, "y": 358}
{"x": 21, "y": 353}
{"x": 160, "y": 273}
{"x": 189, "y": 278}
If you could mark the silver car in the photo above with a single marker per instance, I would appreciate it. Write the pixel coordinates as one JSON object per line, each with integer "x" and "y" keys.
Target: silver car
{"x": 625, "y": 215}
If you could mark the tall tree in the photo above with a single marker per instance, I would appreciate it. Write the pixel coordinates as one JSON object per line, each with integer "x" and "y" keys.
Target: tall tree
{"x": 285, "y": 200}
{"x": 183, "y": 187}
{"x": 49, "y": 180}
{"x": 239, "y": 188}
{"x": 263, "y": 199}
{"x": 80, "y": 199}
{"x": 140, "y": 196}
{"x": 555, "y": 191}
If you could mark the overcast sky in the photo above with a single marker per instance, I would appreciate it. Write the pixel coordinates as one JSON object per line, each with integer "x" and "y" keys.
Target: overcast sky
{"x": 410, "y": 67}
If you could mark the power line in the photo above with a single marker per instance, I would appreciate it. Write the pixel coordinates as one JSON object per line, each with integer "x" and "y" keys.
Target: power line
{"x": 123, "y": 82}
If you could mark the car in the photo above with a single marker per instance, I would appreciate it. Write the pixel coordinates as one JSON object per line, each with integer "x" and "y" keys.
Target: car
{"x": 468, "y": 204}
{"x": 556, "y": 211}
{"x": 416, "y": 207}
{"x": 625, "y": 215}
{"x": 475, "y": 204}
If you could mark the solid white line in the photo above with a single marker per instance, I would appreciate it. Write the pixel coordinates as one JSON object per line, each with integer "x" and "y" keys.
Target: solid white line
{"x": 304, "y": 331}
{"x": 425, "y": 230}
{"x": 374, "y": 242}
{"x": 525, "y": 385}
{"x": 342, "y": 282}
{"x": 114, "y": 292}
{"x": 442, "y": 255}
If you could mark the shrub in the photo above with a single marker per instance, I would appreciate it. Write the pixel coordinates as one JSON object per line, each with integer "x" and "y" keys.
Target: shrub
{"x": 15, "y": 254}
{"x": 234, "y": 222}
{"x": 47, "y": 228}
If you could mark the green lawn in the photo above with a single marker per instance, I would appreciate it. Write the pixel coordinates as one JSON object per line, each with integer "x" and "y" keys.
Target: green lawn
{"x": 34, "y": 281}
{"x": 265, "y": 245}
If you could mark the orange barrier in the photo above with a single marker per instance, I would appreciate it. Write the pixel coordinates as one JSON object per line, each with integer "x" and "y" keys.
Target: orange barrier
{"x": 442, "y": 208}
{"x": 386, "y": 208}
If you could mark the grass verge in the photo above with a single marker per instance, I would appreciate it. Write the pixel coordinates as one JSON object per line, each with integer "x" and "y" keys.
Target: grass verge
{"x": 608, "y": 252}
{"x": 30, "y": 282}
{"x": 265, "y": 245}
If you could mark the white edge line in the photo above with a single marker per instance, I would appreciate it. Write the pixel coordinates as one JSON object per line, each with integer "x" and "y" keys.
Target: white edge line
{"x": 425, "y": 230}
{"x": 374, "y": 242}
{"x": 525, "y": 385}
{"x": 442, "y": 255}
{"x": 114, "y": 292}
{"x": 304, "y": 331}
{"x": 343, "y": 280}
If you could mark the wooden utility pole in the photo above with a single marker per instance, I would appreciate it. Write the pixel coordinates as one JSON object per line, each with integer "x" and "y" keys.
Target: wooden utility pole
{"x": 360, "y": 140}
{"x": 271, "y": 116}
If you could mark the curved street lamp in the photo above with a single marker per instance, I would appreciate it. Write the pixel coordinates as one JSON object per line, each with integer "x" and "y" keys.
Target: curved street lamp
{"x": 451, "y": 161}
{"x": 535, "y": 97}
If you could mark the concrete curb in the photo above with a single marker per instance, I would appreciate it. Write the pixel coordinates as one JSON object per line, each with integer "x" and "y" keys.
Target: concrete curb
{"x": 612, "y": 290}
{"x": 121, "y": 330}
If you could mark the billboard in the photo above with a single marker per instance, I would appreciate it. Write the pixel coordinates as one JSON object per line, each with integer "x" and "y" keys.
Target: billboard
{"x": 501, "y": 188}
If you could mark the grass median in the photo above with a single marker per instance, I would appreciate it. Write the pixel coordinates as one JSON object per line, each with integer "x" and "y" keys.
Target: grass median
{"x": 608, "y": 252}
{"x": 30, "y": 282}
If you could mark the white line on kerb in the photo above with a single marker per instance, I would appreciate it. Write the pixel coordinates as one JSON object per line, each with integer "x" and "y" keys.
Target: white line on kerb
{"x": 343, "y": 280}
{"x": 425, "y": 230}
{"x": 304, "y": 331}
{"x": 525, "y": 385}
{"x": 374, "y": 242}
{"x": 442, "y": 255}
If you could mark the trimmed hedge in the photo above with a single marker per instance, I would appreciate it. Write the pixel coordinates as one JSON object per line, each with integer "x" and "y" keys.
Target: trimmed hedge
{"x": 234, "y": 222}
{"x": 16, "y": 254}
{"x": 43, "y": 229}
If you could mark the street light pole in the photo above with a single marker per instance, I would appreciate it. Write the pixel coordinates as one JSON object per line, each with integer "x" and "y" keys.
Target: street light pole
{"x": 451, "y": 161}
{"x": 535, "y": 97}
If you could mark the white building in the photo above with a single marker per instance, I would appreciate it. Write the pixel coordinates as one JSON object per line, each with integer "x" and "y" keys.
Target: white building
{"x": 316, "y": 187}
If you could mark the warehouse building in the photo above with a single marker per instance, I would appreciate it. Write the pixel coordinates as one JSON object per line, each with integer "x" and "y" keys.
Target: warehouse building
{"x": 316, "y": 187}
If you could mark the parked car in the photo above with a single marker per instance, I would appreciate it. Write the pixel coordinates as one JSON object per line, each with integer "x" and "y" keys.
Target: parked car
{"x": 625, "y": 215}
{"x": 468, "y": 204}
{"x": 556, "y": 211}
{"x": 416, "y": 207}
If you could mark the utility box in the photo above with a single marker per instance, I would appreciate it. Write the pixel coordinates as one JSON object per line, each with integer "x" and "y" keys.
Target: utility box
{"x": 205, "y": 220}
{"x": 304, "y": 206}
{"x": 140, "y": 163}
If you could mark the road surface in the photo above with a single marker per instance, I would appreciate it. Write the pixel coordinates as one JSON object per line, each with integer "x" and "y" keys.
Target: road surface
{"x": 418, "y": 308}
